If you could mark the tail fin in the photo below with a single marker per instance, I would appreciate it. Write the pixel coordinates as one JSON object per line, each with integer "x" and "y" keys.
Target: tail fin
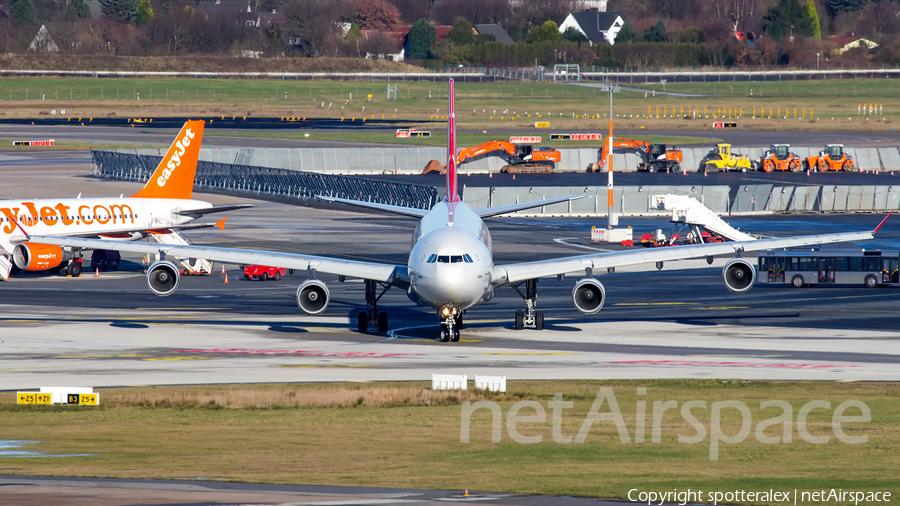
{"x": 452, "y": 189}
{"x": 174, "y": 177}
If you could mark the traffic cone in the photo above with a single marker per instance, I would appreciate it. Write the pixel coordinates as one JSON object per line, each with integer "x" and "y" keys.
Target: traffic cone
{"x": 97, "y": 273}
{"x": 490, "y": 174}
{"x": 226, "y": 278}
{"x": 684, "y": 173}
{"x": 514, "y": 177}
{"x": 807, "y": 173}
{"x": 704, "y": 173}
{"x": 223, "y": 268}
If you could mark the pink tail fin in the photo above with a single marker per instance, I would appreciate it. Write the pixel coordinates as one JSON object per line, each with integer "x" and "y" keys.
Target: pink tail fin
{"x": 452, "y": 188}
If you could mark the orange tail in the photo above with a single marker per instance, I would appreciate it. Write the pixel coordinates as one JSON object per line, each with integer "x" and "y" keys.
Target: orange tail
{"x": 174, "y": 177}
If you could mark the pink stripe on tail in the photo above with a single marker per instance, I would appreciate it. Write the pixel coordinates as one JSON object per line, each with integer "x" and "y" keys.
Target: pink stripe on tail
{"x": 452, "y": 188}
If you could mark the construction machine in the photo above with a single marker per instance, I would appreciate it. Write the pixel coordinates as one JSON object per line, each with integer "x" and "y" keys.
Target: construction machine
{"x": 721, "y": 159}
{"x": 519, "y": 157}
{"x": 779, "y": 157}
{"x": 654, "y": 157}
{"x": 831, "y": 158}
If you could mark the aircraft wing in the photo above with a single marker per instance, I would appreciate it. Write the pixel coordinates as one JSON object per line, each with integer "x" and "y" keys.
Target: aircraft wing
{"x": 495, "y": 211}
{"x": 412, "y": 212}
{"x": 210, "y": 210}
{"x": 394, "y": 274}
{"x": 514, "y": 273}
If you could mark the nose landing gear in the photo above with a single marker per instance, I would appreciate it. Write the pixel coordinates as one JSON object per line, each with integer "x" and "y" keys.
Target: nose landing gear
{"x": 530, "y": 317}
{"x": 451, "y": 323}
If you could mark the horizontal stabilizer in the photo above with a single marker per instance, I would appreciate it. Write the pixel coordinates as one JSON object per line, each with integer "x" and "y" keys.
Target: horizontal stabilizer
{"x": 211, "y": 210}
{"x": 495, "y": 211}
{"x": 404, "y": 211}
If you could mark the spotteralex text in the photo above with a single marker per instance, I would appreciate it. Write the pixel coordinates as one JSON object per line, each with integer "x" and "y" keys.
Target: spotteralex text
{"x": 683, "y": 497}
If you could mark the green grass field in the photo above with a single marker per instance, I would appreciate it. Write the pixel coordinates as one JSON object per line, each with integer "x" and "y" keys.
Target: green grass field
{"x": 439, "y": 138}
{"x": 404, "y": 435}
{"x": 819, "y": 105}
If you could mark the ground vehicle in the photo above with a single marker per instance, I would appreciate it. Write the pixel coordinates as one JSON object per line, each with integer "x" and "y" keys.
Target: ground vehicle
{"x": 263, "y": 273}
{"x": 830, "y": 158}
{"x": 105, "y": 260}
{"x": 654, "y": 157}
{"x": 802, "y": 267}
{"x": 721, "y": 159}
{"x": 779, "y": 157}
{"x": 520, "y": 157}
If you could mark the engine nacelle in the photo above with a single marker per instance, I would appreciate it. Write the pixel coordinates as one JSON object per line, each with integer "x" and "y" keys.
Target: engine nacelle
{"x": 739, "y": 275}
{"x": 313, "y": 297}
{"x": 39, "y": 257}
{"x": 588, "y": 295}
{"x": 162, "y": 278}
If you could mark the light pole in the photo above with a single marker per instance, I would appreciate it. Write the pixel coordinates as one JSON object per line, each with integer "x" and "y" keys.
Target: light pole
{"x": 611, "y": 219}
{"x": 817, "y": 61}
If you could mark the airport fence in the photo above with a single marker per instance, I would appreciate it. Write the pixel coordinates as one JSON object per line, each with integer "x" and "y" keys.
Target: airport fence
{"x": 243, "y": 179}
{"x": 722, "y": 199}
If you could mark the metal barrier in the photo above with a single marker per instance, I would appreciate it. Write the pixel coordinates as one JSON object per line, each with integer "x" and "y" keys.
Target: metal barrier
{"x": 268, "y": 181}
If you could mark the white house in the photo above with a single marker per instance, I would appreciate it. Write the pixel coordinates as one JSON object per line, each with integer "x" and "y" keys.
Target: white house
{"x": 598, "y": 27}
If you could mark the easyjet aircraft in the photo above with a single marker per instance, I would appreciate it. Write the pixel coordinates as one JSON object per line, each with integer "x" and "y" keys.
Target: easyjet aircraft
{"x": 451, "y": 266}
{"x": 163, "y": 204}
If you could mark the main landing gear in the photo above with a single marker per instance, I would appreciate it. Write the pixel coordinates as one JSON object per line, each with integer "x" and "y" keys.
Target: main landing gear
{"x": 451, "y": 323}
{"x": 530, "y": 317}
{"x": 372, "y": 318}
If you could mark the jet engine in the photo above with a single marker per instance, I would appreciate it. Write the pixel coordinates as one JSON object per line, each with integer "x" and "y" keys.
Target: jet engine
{"x": 313, "y": 297}
{"x": 162, "y": 277}
{"x": 739, "y": 275}
{"x": 588, "y": 295}
{"x": 39, "y": 257}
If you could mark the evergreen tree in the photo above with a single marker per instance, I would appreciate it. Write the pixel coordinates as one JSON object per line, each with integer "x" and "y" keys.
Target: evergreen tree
{"x": 77, "y": 9}
{"x": 356, "y": 38}
{"x": 626, "y": 34}
{"x": 22, "y": 12}
{"x": 835, "y": 7}
{"x": 144, "y": 13}
{"x": 656, "y": 33}
{"x": 573, "y": 35}
{"x": 122, "y": 10}
{"x": 783, "y": 15}
{"x": 462, "y": 32}
{"x": 815, "y": 28}
{"x": 422, "y": 37}
{"x": 549, "y": 32}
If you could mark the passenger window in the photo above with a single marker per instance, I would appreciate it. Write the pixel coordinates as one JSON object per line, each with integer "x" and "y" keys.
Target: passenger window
{"x": 444, "y": 259}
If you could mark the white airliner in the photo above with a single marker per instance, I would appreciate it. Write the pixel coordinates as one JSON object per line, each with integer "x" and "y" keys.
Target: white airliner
{"x": 451, "y": 267}
{"x": 162, "y": 205}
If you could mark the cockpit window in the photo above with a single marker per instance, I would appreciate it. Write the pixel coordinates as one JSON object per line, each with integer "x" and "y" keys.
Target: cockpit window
{"x": 432, "y": 259}
{"x": 444, "y": 259}
{"x": 456, "y": 259}
{"x": 468, "y": 259}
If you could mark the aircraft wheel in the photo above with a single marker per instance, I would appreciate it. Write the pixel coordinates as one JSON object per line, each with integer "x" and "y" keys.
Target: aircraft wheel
{"x": 362, "y": 322}
{"x": 520, "y": 320}
{"x": 455, "y": 337}
{"x": 382, "y": 322}
{"x": 445, "y": 334}
{"x": 539, "y": 320}
{"x": 74, "y": 269}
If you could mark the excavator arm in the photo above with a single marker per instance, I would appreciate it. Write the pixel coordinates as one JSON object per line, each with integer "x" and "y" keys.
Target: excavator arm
{"x": 486, "y": 148}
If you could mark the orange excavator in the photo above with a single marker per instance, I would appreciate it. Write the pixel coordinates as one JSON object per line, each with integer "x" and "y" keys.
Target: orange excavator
{"x": 519, "y": 157}
{"x": 654, "y": 157}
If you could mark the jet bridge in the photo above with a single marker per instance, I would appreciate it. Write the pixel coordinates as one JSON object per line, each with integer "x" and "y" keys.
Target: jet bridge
{"x": 688, "y": 211}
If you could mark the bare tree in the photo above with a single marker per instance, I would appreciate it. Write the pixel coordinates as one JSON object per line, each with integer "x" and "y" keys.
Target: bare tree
{"x": 734, "y": 11}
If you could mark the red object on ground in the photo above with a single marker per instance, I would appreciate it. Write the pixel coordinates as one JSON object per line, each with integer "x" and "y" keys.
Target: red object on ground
{"x": 264, "y": 272}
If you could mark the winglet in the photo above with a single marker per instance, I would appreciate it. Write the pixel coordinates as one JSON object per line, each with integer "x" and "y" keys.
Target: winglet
{"x": 452, "y": 189}
{"x": 221, "y": 223}
{"x": 882, "y": 222}
{"x": 174, "y": 176}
